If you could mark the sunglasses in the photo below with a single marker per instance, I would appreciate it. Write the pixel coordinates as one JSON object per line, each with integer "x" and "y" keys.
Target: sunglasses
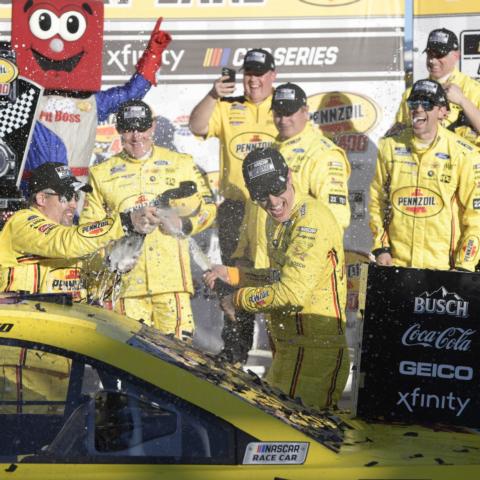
{"x": 425, "y": 103}
{"x": 65, "y": 197}
{"x": 275, "y": 190}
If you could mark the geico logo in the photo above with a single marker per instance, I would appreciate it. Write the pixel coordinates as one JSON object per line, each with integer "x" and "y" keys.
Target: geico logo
{"x": 295, "y": 56}
{"x": 434, "y": 370}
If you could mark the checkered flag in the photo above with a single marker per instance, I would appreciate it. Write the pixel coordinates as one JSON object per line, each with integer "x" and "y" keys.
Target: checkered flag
{"x": 18, "y": 114}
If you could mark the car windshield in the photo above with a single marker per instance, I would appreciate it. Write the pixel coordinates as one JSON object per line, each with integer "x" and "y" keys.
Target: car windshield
{"x": 323, "y": 427}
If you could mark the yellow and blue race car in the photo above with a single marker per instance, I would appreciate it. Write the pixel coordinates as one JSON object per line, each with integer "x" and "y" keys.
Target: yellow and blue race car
{"x": 85, "y": 393}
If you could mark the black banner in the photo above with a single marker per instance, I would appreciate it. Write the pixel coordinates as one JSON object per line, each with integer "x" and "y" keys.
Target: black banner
{"x": 420, "y": 348}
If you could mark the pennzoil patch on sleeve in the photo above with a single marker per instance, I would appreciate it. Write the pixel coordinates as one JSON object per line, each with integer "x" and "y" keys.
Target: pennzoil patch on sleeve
{"x": 95, "y": 229}
{"x": 276, "y": 453}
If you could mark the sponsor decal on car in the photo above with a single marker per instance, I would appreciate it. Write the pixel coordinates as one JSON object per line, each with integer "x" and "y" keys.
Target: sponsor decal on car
{"x": 276, "y": 453}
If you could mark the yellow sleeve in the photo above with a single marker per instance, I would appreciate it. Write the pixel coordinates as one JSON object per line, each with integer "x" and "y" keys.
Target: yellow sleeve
{"x": 467, "y": 255}
{"x": 403, "y": 113}
{"x": 328, "y": 180}
{"x": 93, "y": 208}
{"x": 379, "y": 201}
{"x": 215, "y": 123}
{"x": 37, "y": 235}
{"x": 205, "y": 215}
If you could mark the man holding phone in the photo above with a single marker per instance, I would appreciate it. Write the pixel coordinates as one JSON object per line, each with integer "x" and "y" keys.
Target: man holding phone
{"x": 242, "y": 124}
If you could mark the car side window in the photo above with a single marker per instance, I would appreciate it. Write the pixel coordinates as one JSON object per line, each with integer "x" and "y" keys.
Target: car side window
{"x": 70, "y": 409}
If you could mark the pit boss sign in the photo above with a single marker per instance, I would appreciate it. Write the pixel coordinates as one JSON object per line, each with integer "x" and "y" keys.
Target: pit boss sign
{"x": 420, "y": 344}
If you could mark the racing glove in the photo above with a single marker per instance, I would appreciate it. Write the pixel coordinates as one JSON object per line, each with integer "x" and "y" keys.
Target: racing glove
{"x": 151, "y": 59}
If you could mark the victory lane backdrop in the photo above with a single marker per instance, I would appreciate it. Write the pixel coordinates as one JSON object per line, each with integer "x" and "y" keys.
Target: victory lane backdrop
{"x": 419, "y": 353}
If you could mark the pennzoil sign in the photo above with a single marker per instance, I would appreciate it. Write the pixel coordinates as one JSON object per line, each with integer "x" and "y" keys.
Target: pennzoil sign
{"x": 343, "y": 112}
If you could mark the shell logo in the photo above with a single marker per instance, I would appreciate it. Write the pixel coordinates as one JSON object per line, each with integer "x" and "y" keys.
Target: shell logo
{"x": 343, "y": 112}
{"x": 417, "y": 202}
{"x": 244, "y": 143}
{"x": 330, "y": 3}
{"x": 8, "y": 71}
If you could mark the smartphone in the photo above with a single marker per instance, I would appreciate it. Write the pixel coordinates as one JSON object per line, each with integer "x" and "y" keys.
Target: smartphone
{"x": 231, "y": 74}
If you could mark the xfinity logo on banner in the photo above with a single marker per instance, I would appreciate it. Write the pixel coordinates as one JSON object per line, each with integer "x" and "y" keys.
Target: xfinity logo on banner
{"x": 434, "y": 370}
{"x": 441, "y": 302}
{"x": 451, "y": 338}
{"x": 415, "y": 399}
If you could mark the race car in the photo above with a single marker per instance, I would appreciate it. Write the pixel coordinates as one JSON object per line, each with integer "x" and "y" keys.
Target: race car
{"x": 85, "y": 393}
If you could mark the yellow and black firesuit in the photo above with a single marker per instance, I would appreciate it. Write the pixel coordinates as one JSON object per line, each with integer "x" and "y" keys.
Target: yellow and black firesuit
{"x": 425, "y": 201}
{"x": 158, "y": 288}
{"x": 306, "y": 303}
{"x": 455, "y": 120}
{"x": 319, "y": 169}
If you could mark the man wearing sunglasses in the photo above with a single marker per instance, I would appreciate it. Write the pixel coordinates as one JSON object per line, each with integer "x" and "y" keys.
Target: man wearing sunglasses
{"x": 159, "y": 287}
{"x": 304, "y": 291}
{"x": 41, "y": 249}
{"x": 462, "y": 91}
{"x": 425, "y": 196}
{"x": 319, "y": 169}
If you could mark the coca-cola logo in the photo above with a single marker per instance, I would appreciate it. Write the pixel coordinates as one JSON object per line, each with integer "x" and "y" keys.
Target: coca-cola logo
{"x": 451, "y": 338}
{"x": 441, "y": 302}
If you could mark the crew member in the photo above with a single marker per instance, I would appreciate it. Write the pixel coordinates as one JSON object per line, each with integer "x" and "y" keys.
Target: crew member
{"x": 319, "y": 169}
{"x": 241, "y": 124}
{"x": 462, "y": 91}
{"x": 305, "y": 289}
{"x": 159, "y": 287}
{"x": 425, "y": 196}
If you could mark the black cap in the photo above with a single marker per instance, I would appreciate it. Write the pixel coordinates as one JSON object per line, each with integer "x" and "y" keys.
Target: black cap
{"x": 265, "y": 171}
{"x": 442, "y": 41}
{"x": 428, "y": 89}
{"x": 259, "y": 61}
{"x": 288, "y": 98}
{"x": 134, "y": 115}
{"x": 56, "y": 176}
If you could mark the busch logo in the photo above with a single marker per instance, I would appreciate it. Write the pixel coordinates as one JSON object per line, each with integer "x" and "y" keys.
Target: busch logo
{"x": 441, "y": 302}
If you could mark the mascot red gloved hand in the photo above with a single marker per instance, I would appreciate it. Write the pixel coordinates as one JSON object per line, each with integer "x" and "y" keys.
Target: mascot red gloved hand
{"x": 59, "y": 45}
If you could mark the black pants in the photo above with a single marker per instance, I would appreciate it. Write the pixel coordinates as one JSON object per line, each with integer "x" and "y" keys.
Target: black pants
{"x": 237, "y": 336}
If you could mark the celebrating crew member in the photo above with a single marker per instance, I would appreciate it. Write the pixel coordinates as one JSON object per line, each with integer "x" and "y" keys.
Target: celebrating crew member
{"x": 159, "y": 287}
{"x": 319, "y": 169}
{"x": 425, "y": 196}
{"x": 40, "y": 250}
{"x": 462, "y": 91}
{"x": 241, "y": 124}
{"x": 305, "y": 289}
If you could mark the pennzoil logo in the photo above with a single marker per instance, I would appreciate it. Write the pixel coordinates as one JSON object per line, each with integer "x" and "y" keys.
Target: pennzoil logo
{"x": 330, "y": 3}
{"x": 244, "y": 143}
{"x": 343, "y": 112}
{"x": 8, "y": 71}
{"x": 96, "y": 229}
{"x": 417, "y": 202}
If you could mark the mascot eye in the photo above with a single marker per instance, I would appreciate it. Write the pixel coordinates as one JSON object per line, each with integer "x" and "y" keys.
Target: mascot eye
{"x": 44, "y": 24}
{"x": 72, "y": 26}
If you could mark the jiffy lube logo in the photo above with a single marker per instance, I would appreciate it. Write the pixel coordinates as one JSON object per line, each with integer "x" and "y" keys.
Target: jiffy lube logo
{"x": 417, "y": 202}
{"x": 441, "y": 302}
{"x": 244, "y": 143}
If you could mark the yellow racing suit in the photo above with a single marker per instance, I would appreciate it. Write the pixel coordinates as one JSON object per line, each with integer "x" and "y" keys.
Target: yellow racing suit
{"x": 425, "y": 201}
{"x": 319, "y": 169}
{"x": 158, "y": 288}
{"x": 38, "y": 255}
{"x": 455, "y": 121}
{"x": 306, "y": 303}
